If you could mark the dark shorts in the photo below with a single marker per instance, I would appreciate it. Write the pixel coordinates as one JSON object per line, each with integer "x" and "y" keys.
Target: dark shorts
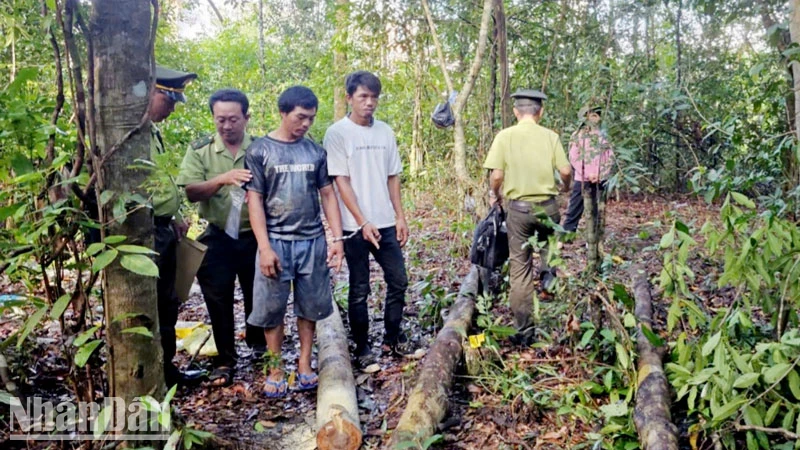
{"x": 304, "y": 269}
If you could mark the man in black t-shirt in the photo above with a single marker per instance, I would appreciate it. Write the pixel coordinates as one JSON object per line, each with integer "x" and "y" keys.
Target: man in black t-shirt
{"x": 290, "y": 174}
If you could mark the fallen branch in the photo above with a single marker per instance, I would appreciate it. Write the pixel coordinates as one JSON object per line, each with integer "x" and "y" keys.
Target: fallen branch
{"x": 338, "y": 425}
{"x": 427, "y": 402}
{"x": 651, "y": 415}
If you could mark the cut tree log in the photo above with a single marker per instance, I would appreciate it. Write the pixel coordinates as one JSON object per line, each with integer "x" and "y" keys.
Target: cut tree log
{"x": 651, "y": 415}
{"x": 427, "y": 402}
{"x": 338, "y": 425}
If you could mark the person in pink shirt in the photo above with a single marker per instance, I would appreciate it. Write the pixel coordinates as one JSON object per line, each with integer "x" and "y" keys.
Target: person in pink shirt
{"x": 591, "y": 157}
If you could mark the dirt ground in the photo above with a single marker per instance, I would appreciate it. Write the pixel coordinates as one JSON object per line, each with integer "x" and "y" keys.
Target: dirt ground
{"x": 436, "y": 256}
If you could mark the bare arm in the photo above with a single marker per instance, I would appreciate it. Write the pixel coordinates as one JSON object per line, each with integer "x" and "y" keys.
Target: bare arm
{"x": 495, "y": 182}
{"x": 397, "y": 203}
{"x": 368, "y": 230}
{"x": 198, "y": 192}
{"x": 270, "y": 265}
{"x": 331, "y": 209}
{"x": 566, "y": 177}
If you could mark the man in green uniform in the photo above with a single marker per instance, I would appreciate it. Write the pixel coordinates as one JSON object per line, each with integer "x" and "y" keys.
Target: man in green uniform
{"x": 213, "y": 173}
{"x": 522, "y": 160}
{"x": 169, "y": 225}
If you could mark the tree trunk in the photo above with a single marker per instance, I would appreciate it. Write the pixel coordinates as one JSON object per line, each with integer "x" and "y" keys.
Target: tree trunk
{"x": 506, "y": 115}
{"x": 261, "y": 43}
{"x": 427, "y": 402}
{"x": 337, "y": 407}
{"x": 790, "y": 157}
{"x": 651, "y": 415}
{"x": 459, "y": 139}
{"x": 416, "y": 155}
{"x": 340, "y": 60}
{"x": 592, "y": 233}
{"x": 121, "y": 31}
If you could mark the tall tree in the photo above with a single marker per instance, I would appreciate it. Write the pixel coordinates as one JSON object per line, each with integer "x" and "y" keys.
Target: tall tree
{"x": 501, "y": 41}
{"x": 340, "y": 59}
{"x": 122, "y": 34}
{"x": 459, "y": 139}
{"x": 791, "y": 163}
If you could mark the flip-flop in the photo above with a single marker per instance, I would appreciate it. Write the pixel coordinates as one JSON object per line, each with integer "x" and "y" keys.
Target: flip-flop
{"x": 307, "y": 381}
{"x": 281, "y": 387}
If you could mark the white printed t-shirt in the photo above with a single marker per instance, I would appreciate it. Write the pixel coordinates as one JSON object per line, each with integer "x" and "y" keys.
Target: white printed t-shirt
{"x": 369, "y": 156}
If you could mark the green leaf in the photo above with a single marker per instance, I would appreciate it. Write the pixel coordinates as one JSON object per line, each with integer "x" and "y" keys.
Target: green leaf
{"x": 743, "y": 200}
{"x": 772, "y": 413}
{"x": 746, "y": 380}
{"x": 617, "y": 409}
{"x": 83, "y": 353}
{"x": 119, "y": 211}
{"x": 680, "y": 226}
{"x": 104, "y": 259}
{"x": 651, "y": 336}
{"x": 794, "y": 383}
{"x": 138, "y": 330}
{"x": 622, "y": 355}
{"x": 95, "y": 248}
{"x": 115, "y": 239}
{"x": 60, "y": 306}
{"x": 101, "y": 422}
{"x": 667, "y": 239}
{"x": 127, "y": 248}
{"x": 5, "y": 397}
{"x": 725, "y": 411}
{"x": 435, "y": 439}
{"x": 170, "y": 395}
{"x": 120, "y": 317}
{"x": 85, "y": 336}
{"x": 406, "y": 445}
{"x": 140, "y": 264}
{"x": 621, "y": 294}
{"x": 51, "y": 5}
{"x": 106, "y": 197}
{"x": 775, "y": 372}
{"x": 752, "y": 417}
{"x": 172, "y": 442}
{"x": 712, "y": 343}
{"x": 30, "y": 324}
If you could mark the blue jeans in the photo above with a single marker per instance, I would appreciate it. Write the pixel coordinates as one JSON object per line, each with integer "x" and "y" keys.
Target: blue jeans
{"x": 390, "y": 257}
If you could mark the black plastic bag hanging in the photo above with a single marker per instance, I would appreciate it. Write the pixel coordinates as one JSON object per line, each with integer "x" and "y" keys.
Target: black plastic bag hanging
{"x": 442, "y": 115}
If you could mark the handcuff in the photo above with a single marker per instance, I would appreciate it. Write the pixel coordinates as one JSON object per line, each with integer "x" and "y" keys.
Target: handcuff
{"x": 351, "y": 235}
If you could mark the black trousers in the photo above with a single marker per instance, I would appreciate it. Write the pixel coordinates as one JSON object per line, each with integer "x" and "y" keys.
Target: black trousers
{"x": 225, "y": 260}
{"x": 168, "y": 304}
{"x": 390, "y": 257}
{"x": 575, "y": 208}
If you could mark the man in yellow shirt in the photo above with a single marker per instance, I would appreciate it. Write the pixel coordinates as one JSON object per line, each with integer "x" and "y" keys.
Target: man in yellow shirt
{"x": 522, "y": 160}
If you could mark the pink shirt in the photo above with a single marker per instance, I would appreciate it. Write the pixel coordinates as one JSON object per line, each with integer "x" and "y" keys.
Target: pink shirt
{"x": 590, "y": 155}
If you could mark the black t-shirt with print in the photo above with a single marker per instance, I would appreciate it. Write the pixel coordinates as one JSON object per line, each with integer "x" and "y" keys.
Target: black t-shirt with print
{"x": 289, "y": 176}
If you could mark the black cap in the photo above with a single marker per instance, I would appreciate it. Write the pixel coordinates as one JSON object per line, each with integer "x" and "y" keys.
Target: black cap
{"x": 173, "y": 82}
{"x": 529, "y": 93}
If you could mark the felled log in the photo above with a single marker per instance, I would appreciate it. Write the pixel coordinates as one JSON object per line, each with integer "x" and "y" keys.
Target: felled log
{"x": 427, "y": 402}
{"x": 651, "y": 415}
{"x": 338, "y": 425}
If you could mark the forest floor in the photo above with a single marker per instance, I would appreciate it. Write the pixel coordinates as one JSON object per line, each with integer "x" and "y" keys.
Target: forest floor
{"x": 482, "y": 415}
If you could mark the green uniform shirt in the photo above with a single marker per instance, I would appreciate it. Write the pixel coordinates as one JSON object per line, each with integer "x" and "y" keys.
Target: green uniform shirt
{"x": 206, "y": 159}
{"x": 527, "y": 154}
{"x": 166, "y": 197}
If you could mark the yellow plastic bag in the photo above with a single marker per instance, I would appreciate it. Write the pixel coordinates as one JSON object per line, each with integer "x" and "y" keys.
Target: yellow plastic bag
{"x": 191, "y": 336}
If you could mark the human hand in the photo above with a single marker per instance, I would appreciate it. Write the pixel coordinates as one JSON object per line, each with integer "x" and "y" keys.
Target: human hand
{"x": 336, "y": 256}
{"x": 402, "y": 231}
{"x": 180, "y": 228}
{"x": 237, "y": 177}
{"x": 269, "y": 263}
{"x": 371, "y": 234}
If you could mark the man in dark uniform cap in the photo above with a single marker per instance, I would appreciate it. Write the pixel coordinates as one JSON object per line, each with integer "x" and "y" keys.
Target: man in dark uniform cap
{"x": 522, "y": 160}
{"x": 169, "y": 225}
